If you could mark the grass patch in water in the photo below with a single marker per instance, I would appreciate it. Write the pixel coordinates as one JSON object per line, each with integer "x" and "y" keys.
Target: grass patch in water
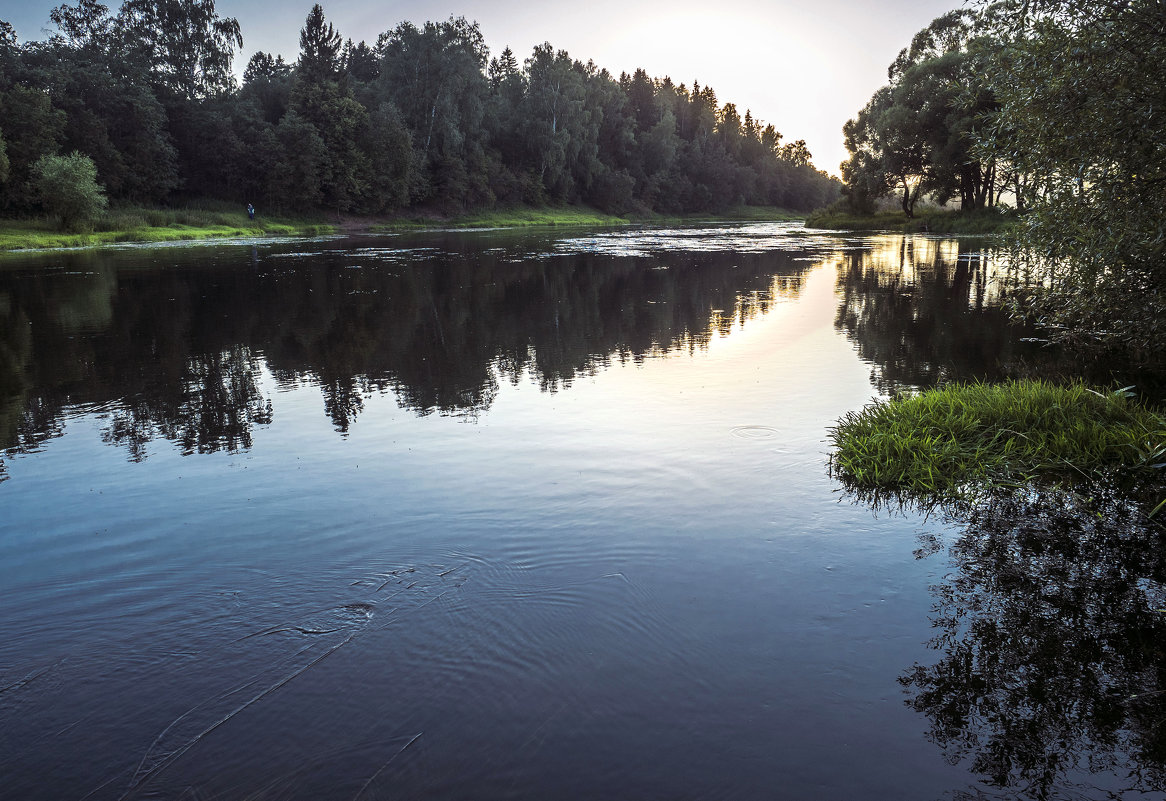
{"x": 946, "y": 441}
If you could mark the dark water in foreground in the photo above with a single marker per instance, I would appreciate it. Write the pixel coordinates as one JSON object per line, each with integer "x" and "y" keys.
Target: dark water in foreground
{"x": 485, "y": 515}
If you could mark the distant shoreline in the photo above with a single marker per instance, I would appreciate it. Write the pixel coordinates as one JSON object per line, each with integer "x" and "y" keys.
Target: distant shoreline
{"x": 221, "y": 221}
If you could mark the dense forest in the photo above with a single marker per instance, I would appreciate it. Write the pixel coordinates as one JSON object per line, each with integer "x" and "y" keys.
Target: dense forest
{"x": 147, "y": 107}
{"x": 1056, "y": 108}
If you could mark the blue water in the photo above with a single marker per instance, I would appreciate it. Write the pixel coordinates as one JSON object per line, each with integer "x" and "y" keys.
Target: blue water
{"x": 475, "y": 515}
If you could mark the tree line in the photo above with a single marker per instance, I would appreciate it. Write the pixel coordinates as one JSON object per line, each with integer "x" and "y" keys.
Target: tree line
{"x": 1056, "y": 108}
{"x": 422, "y": 117}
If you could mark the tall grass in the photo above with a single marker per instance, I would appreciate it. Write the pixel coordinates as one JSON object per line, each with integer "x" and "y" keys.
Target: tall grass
{"x": 946, "y": 441}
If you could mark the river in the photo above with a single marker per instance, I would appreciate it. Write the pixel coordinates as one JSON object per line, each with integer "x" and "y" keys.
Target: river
{"x": 498, "y": 514}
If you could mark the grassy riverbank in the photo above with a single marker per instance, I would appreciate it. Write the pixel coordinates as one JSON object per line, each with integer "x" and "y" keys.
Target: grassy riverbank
{"x": 156, "y": 225}
{"x": 943, "y": 441}
{"x": 519, "y": 217}
{"x": 217, "y": 220}
{"x": 735, "y": 214}
{"x": 525, "y": 216}
{"x": 982, "y": 221}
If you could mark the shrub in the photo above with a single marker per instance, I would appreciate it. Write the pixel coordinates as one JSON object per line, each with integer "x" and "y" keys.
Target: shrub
{"x": 68, "y": 189}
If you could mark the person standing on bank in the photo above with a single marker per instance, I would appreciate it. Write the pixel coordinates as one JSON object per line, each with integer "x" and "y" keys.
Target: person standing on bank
{"x": 250, "y": 212}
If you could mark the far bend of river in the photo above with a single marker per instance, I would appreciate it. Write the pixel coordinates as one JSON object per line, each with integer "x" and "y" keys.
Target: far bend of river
{"x": 485, "y": 515}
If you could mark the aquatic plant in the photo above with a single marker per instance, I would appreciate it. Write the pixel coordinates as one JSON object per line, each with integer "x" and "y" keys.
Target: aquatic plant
{"x": 950, "y": 441}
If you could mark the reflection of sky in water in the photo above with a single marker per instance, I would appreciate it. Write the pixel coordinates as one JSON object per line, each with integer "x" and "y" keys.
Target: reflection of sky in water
{"x": 459, "y": 528}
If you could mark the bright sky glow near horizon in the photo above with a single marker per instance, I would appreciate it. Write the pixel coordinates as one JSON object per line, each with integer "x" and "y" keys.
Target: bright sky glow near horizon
{"x": 804, "y": 66}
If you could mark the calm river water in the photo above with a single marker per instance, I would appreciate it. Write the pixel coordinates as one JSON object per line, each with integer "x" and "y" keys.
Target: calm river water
{"x": 525, "y": 515}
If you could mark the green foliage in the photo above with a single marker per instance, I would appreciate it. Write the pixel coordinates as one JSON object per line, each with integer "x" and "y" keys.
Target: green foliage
{"x": 1080, "y": 86}
{"x": 948, "y": 441}
{"x": 915, "y": 135}
{"x": 319, "y": 49}
{"x": 521, "y": 217}
{"x": 68, "y": 189}
{"x": 423, "y": 119}
{"x": 188, "y": 48}
{"x": 300, "y": 181}
{"x": 1059, "y": 105}
{"x": 32, "y": 129}
{"x": 3, "y": 159}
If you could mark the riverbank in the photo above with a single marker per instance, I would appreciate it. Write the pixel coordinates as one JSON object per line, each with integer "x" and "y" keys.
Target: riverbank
{"x": 981, "y": 221}
{"x": 122, "y": 225}
{"x": 216, "y": 221}
{"x": 527, "y": 216}
{"x": 524, "y": 216}
{"x": 520, "y": 217}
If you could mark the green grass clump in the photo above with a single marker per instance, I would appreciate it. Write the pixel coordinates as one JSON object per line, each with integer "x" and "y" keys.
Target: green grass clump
{"x": 947, "y": 441}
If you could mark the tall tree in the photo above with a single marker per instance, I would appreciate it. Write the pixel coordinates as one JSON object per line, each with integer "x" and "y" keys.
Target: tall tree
{"x": 267, "y": 81}
{"x": 323, "y": 98}
{"x": 915, "y": 134}
{"x": 434, "y": 76}
{"x": 112, "y": 114}
{"x": 33, "y": 128}
{"x": 187, "y": 45}
{"x": 320, "y": 49}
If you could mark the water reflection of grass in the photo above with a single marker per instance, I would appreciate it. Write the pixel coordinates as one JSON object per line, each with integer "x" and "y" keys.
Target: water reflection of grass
{"x": 945, "y": 441}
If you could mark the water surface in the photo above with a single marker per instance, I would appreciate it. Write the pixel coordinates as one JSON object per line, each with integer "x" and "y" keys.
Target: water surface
{"x": 498, "y": 515}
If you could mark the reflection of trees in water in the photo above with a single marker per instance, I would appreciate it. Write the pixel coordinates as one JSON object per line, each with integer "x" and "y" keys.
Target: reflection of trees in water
{"x": 923, "y": 312}
{"x": 18, "y": 415}
{"x": 1051, "y": 631}
{"x": 179, "y": 354}
{"x": 213, "y": 408}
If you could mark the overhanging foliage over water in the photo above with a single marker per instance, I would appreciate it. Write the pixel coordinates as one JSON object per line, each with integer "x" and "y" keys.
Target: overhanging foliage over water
{"x": 1054, "y": 107}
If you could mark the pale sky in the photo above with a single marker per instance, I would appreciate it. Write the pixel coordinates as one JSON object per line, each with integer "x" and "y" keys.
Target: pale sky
{"x": 804, "y": 65}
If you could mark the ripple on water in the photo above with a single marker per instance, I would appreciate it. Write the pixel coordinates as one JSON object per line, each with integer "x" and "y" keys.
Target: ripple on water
{"x": 754, "y": 432}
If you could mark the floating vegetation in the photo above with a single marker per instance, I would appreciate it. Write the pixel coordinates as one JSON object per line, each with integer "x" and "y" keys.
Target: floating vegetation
{"x": 951, "y": 441}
